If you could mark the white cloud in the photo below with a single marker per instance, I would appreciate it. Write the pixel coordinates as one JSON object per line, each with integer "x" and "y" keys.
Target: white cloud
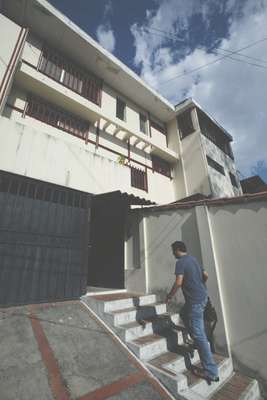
{"x": 106, "y": 37}
{"x": 233, "y": 92}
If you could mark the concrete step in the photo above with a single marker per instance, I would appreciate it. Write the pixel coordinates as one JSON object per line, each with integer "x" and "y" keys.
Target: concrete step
{"x": 150, "y": 346}
{"x": 174, "y": 362}
{"x": 174, "y": 382}
{"x": 130, "y": 302}
{"x": 133, "y": 314}
{"x": 238, "y": 387}
{"x": 136, "y": 329}
{"x": 200, "y": 387}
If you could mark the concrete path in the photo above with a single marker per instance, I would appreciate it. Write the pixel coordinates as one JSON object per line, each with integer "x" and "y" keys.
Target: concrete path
{"x": 61, "y": 352}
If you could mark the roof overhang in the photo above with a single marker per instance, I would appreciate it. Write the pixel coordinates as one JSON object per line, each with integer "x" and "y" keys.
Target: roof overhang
{"x": 56, "y": 28}
{"x": 128, "y": 199}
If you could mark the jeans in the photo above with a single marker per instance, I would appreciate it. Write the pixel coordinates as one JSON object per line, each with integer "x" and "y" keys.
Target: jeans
{"x": 192, "y": 315}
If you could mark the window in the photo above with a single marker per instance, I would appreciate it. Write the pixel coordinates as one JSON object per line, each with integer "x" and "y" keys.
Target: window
{"x": 233, "y": 180}
{"x": 52, "y": 115}
{"x": 214, "y": 133}
{"x": 185, "y": 124}
{"x": 161, "y": 166}
{"x": 215, "y": 165}
{"x": 143, "y": 123}
{"x": 138, "y": 178}
{"x": 70, "y": 75}
{"x": 120, "y": 109}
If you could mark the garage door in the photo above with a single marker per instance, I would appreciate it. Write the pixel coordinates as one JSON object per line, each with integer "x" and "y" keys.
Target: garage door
{"x": 44, "y": 236}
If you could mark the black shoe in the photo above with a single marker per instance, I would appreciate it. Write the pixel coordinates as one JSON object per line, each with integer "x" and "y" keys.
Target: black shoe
{"x": 212, "y": 379}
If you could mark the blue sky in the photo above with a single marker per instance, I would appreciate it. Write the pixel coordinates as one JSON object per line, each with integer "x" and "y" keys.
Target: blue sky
{"x": 164, "y": 40}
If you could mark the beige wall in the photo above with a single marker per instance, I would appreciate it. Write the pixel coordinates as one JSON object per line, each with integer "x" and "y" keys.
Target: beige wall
{"x": 196, "y": 173}
{"x": 240, "y": 239}
{"x": 231, "y": 243}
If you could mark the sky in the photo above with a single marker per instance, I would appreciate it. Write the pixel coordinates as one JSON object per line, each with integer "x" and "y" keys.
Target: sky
{"x": 212, "y": 50}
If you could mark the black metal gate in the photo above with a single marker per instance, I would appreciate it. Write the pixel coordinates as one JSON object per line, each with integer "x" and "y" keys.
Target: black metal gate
{"x": 44, "y": 236}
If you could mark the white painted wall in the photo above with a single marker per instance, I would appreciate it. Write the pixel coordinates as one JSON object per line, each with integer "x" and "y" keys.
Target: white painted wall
{"x": 9, "y": 33}
{"x": 240, "y": 238}
{"x": 221, "y": 184}
{"x": 40, "y": 151}
{"x": 231, "y": 243}
{"x": 196, "y": 173}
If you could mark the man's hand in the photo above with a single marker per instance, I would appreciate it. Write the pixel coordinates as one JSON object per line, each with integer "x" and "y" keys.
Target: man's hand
{"x": 168, "y": 299}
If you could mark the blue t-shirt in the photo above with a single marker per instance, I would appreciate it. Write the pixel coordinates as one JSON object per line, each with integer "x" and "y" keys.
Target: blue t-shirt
{"x": 193, "y": 287}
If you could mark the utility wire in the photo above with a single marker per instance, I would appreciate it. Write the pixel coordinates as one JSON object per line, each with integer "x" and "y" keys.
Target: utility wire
{"x": 212, "y": 62}
{"x": 225, "y": 56}
{"x": 169, "y": 34}
{"x": 173, "y": 37}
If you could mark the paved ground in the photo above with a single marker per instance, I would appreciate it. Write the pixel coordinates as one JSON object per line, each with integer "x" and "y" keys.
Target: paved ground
{"x": 60, "y": 352}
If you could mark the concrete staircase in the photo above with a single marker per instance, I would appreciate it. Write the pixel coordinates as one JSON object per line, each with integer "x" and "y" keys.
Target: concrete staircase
{"x": 157, "y": 338}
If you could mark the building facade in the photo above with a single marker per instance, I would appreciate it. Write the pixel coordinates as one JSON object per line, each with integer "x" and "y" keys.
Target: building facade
{"x": 78, "y": 117}
{"x": 82, "y": 139}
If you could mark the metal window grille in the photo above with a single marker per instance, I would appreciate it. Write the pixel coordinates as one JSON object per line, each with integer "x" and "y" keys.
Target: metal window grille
{"x": 215, "y": 165}
{"x": 52, "y": 115}
{"x": 161, "y": 166}
{"x": 139, "y": 178}
{"x": 185, "y": 124}
{"x": 70, "y": 75}
{"x": 214, "y": 134}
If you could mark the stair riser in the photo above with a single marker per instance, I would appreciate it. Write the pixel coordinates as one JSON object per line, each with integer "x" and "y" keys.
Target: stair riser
{"x": 157, "y": 327}
{"x": 131, "y": 316}
{"x": 253, "y": 393}
{"x": 127, "y": 303}
{"x": 205, "y": 390}
{"x": 172, "y": 384}
{"x": 179, "y": 365}
{"x": 150, "y": 350}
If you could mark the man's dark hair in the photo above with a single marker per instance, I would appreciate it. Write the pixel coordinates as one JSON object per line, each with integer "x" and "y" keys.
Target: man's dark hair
{"x": 179, "y": 246}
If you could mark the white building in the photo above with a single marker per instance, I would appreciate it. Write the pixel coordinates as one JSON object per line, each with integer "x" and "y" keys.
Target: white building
{"x": 82, "y": 138}
{"x": 78, "y": 117}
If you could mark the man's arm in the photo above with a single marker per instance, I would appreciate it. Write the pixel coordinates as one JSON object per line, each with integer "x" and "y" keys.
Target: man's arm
{"x": 205, "y": 276}
{"x": 177, "y": 284}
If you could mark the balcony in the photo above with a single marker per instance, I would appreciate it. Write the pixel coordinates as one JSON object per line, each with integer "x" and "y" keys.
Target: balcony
{"x": 66, "y": 89}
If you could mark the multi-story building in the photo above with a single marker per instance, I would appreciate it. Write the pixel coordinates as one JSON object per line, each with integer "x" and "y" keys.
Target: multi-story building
{"x": 84, "y": 120}
{"x": 74, "y": 116}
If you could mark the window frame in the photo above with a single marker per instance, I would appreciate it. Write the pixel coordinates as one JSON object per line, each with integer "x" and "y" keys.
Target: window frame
{"x": 233, "y": 180}
{"x": 161, "y": 166}
{"x": 143, "y": 117}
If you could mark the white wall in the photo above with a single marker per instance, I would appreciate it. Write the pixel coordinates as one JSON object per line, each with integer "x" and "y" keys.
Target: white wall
{"x": 231, "y": 243}
{"x": 240, "y": 238}
{"x": 196, "y": 173}
{"x": 9, "y": 33}
{"x": 35, "y": 149}
{"x": 221, "y": 184}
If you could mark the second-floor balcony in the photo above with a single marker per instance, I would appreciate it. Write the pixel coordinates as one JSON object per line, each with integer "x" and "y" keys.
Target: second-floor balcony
{"x": 66, "y": 84}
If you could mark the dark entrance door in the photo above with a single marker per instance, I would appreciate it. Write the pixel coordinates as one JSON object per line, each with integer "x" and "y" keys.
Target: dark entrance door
{"x": 106, "y": 261}
{"x": 44, "y": 236}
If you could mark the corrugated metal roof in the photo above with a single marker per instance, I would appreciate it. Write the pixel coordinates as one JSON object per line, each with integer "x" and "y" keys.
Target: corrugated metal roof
{"x": 211, "y": 202}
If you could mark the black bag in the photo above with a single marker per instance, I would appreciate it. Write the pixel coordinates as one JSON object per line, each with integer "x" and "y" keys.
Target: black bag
{"x": 210, "y": 321}
{"x": 210, "y": 314}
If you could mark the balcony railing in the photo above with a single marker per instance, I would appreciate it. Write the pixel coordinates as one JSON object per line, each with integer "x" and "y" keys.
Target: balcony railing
{"x": 53, "y": 115}
{"x": 57, "y": 67}
{"x": 139, "y": 178}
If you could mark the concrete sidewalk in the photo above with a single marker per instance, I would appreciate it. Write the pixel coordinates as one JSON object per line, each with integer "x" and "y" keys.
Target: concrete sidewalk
{"x": 61, "y": 352}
